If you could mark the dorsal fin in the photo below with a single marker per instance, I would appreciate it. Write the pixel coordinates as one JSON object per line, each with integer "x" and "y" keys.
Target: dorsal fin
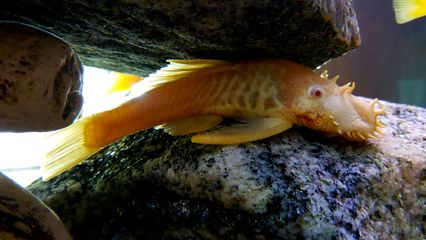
{"x": 178, "y": 69}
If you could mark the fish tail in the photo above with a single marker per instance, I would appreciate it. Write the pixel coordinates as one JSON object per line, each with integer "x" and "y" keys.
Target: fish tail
{"x": 67, "y": 148}
{"x": 407, "y": 10}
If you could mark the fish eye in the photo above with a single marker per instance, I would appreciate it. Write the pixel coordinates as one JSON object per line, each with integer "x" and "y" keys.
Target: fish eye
{"x": 316, "y": 92}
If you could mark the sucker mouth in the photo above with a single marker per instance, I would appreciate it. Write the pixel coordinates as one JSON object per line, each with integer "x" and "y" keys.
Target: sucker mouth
{"x": 371, "y": 117}
{"x": 366, "y": 124}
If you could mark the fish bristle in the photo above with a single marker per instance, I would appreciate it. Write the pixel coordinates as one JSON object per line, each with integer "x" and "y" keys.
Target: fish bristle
{"x": 408, "y": 10}
{"x": 66, "y": 149}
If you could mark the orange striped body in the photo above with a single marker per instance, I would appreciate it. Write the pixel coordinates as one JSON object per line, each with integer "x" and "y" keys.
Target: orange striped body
{"x": 247, "y": 89}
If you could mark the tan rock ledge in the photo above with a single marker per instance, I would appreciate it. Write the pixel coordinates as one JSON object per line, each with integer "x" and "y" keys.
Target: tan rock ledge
{"x": 40, "y": 80}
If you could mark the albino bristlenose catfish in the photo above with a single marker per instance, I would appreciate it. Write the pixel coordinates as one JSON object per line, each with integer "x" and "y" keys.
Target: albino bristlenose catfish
{"x": 267, "y": 96}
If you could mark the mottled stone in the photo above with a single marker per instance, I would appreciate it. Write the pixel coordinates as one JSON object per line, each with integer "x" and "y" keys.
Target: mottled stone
{"x": 295, "y": 185}
{"x": 40, "y": 80}
{"x": 138, "y": 36}
{"x": 23, "y": 216}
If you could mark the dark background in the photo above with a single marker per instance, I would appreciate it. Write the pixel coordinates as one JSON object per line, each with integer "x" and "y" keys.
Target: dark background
{"x": 391, "y": 62}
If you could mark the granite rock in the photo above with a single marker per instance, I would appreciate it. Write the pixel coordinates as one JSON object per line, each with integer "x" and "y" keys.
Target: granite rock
{"x": 295, "y": 185}
{"x": 138, "y": 36}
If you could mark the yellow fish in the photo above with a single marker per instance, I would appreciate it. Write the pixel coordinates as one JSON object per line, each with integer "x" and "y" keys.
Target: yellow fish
{"x": 407, "y": 10}
{"x": 268, "y": 96}
{"x": 122, "y": 82}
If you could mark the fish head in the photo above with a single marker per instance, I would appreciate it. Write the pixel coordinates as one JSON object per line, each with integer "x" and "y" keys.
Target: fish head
{"x": 319, "y": 103}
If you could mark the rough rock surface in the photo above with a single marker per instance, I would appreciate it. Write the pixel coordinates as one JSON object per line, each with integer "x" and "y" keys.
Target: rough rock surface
{"x": 291, "y": 186}
{"x": 40, "y": 80}
{"x": 138, "y": 36}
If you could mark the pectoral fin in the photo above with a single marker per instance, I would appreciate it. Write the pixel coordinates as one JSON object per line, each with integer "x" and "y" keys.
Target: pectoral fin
{"x": 190, "y": 125}
{"x": 247, "y": 131}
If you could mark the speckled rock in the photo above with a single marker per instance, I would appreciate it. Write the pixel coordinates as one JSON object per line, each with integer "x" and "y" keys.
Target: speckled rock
{"x": 22, "y": 216}
{"x": 40, "y": 80}
{"x": 291, "y": 186}
{"x": 138, "y": 36}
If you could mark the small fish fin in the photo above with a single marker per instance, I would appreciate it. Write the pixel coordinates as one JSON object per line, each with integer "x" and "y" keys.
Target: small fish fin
{"x": 249, "y": 130}
{"x": 66, "y": 148}
{"x": 184, "y": 126}
{"x": 178, "y": 69}
{"x": 122, "y": 82}
{"x": 407, "y": 10}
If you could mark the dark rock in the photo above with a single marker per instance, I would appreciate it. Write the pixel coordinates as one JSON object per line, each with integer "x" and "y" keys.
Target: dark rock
{"x": 295, "y": 185}
{"x": 138, "y": 36}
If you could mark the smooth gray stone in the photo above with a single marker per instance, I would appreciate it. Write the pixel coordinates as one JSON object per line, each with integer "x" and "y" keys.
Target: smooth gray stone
{"x": 23, "y": 216}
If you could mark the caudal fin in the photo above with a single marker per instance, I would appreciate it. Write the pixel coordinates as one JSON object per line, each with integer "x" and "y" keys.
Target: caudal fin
{"x": 67, "y": 148}
{"x": 407, "y": 10}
